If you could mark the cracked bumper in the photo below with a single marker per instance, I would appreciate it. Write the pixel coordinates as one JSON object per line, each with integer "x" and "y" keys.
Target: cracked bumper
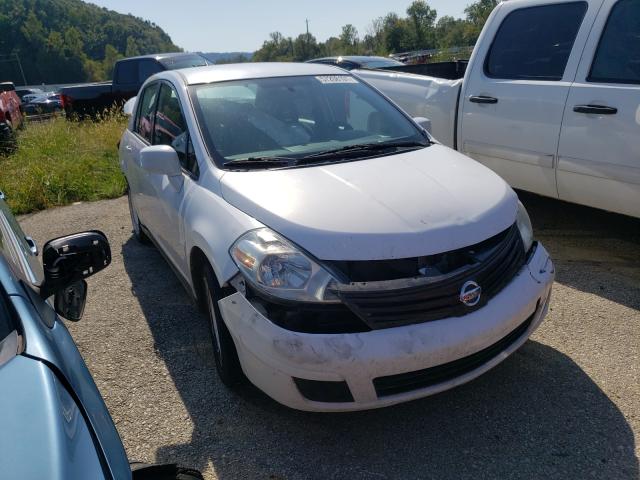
{"x": 271, "y": 356}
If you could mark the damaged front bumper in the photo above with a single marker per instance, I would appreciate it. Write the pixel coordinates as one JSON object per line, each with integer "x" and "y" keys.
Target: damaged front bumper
{"x": 357, "y": 371}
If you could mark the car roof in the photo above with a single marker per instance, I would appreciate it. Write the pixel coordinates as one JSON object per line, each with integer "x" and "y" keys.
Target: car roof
{"x": 245, "y": 71}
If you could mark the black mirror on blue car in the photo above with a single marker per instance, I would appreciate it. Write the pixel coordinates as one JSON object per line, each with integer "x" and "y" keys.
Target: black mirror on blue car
{"x": 67, "y": 262}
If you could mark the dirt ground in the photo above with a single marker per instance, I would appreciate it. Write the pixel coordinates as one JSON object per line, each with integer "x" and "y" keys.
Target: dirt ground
{"x": 565, "y": 406}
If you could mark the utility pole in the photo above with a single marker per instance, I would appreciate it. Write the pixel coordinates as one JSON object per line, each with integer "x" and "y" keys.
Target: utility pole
{"x": 24, "y": 79}
{"x": 308, "y": 38}
{"x": 14, "y": 57}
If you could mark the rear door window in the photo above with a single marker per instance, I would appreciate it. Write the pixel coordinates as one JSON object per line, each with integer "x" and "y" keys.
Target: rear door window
{"x": 617, "y": 59}
{"x": 144, "y": 120}
{"x": 535, "y": 43}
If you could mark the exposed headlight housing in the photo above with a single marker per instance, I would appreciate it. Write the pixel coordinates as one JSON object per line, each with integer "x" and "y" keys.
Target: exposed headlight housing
{"x": 524, "y": 225}
{"x": 272, "y": 265}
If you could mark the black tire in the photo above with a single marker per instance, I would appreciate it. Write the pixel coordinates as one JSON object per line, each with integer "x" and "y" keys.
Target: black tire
{"x": 224, "y": 350}
{"x": 144, "y": 471}
{"x": 137, "y": 231}
{"x": 8, "y": 140}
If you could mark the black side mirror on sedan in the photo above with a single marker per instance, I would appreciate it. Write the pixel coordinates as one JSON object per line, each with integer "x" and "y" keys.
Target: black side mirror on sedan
{"x": 67, "y": 262}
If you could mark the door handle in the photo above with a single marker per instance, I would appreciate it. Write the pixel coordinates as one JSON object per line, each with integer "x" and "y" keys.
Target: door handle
{"x": 482, "y": 99}
{"x": 33, "y": 246}
{"x": 128, "y": 147}
{"x": 595, "y": 109}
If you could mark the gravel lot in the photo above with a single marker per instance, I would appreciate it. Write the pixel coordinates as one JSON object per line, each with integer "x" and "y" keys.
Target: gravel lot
{"x": 565, "y": 406}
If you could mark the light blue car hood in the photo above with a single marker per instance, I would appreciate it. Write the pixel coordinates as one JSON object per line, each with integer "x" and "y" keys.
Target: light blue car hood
{"x": 42, "y": 432}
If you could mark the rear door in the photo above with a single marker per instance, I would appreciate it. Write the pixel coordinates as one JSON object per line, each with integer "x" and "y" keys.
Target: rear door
{"x": 514, "y": 96}
{"x": 599, "y": 151}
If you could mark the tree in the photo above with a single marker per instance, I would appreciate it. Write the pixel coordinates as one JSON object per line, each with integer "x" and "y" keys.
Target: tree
{"x": 418, "y": 30}
{"x": 305, "y": 47}
{"x": 349, "y": 39}
{"x": 61, "y": 41}
{"x": 397, "y": 37}
{"x": 277, "y": 48}
{"x": 477, "y": 14}
{"x": 373, "y": 41}
{"x": 422, "y": 18}
{"x": 450, "y": 32}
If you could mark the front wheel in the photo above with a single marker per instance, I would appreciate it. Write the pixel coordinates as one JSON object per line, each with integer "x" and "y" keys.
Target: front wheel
{"x": 226, "y": 355}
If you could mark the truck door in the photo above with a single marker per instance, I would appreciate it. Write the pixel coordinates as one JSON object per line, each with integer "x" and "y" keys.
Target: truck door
{"x": 514, "y": 95}
{"x": 599, "y": 151}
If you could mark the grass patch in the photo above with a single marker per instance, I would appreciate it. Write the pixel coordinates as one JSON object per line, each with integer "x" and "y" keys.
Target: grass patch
{"x": 59, "y": 162}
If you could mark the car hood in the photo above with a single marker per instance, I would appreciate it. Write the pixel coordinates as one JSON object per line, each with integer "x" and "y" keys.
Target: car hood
{"x": 43, "y": 433}
{"x": 410, "y": 204}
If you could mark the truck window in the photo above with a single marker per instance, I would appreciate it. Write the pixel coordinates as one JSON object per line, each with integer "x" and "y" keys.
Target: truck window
{"x": 617, "y": 58}
{"x": 126, "y": 72}
{"x": 171, "y": 128}
{"x": 535, "y": 43}
{"x": 146, "y": 68}
{"x": 144, "y": 119}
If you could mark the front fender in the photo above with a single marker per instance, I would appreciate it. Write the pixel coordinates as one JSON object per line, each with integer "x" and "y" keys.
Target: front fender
{"x": 212, "y": 225}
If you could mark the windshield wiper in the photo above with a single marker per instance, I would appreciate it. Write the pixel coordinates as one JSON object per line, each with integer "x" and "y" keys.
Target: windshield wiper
{"x": 367, "y": 147}
{"x": 261, "y": 162}
{"x": 268, "y": 162}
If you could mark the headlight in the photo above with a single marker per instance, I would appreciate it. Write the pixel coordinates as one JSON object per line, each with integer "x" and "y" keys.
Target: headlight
{"x": 524, "y": 225}
{"x": 273, "y": 265}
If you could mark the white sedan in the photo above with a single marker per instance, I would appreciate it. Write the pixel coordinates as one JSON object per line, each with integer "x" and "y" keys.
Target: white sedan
{"x": 345, "y": 259}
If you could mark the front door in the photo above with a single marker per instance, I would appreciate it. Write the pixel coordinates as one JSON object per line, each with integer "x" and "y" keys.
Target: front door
{"x": 513, "y": 102}
{"x": 170, "y": 128}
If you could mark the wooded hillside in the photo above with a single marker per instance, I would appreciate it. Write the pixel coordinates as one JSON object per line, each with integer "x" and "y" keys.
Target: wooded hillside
{"x": 65, "y": 41}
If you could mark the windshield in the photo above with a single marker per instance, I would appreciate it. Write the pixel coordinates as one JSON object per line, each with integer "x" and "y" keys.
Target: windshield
{"x": 183, "y": 61}
{"x": 294, "y": 117}
{"x": 380, "y": 63}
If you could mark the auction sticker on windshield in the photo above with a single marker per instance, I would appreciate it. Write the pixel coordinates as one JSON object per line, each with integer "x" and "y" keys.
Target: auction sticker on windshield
{"x": 336, "y": 79}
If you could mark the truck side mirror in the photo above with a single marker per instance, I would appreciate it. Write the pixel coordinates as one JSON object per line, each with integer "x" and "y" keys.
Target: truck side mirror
{"x": 423, "y": 122}
{"x": 67, "y": 262}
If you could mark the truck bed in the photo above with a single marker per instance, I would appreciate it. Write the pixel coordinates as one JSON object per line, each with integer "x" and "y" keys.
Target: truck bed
{"x": 421, "y": 96}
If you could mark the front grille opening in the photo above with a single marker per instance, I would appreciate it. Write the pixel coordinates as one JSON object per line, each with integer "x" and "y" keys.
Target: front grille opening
{"x": 321, "y": 391}
{"x": 426, "y": 266}
{"x": 410, "y": 381}
{"x": 392, "y": 303}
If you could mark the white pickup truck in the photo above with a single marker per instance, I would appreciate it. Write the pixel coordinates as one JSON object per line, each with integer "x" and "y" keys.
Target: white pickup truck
{"x": 550, "y": 100}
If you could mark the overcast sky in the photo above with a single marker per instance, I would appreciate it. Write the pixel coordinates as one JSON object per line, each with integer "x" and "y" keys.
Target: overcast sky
{"x": 242, "y": 25}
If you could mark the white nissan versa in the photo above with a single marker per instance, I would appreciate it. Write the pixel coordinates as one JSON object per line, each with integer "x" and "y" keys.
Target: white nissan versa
{"x": 346, "y": 260}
